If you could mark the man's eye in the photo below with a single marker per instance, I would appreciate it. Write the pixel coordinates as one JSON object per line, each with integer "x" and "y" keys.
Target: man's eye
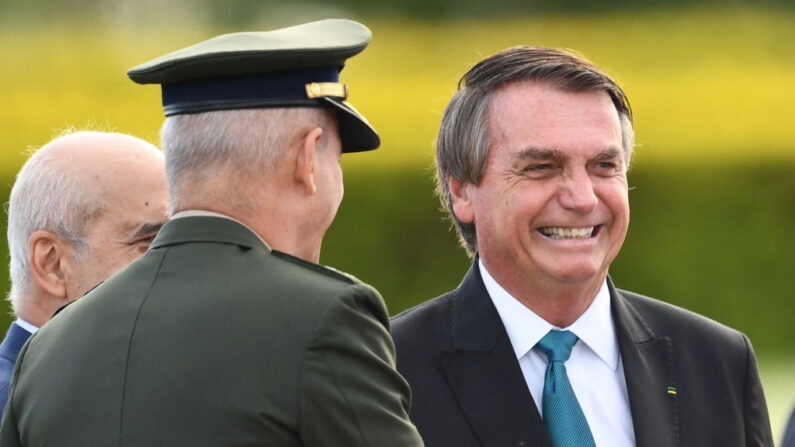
{"x": 147, "y": 240}
{"x": 607, "y": 167}
{"x": 539, "y": 167}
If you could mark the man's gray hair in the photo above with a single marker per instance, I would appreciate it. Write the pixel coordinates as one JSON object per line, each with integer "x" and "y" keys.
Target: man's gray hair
{"x": 47, "y": 195}
{"x": 248, "y": 143}
{"x": 462, "y": 146}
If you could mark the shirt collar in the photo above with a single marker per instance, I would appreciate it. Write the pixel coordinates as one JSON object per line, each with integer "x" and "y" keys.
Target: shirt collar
{"x": 596, "y": 329}
{"x": 194, "y": 213}
{"x": 26, "y": 326}
{"x": 525, "y": 328}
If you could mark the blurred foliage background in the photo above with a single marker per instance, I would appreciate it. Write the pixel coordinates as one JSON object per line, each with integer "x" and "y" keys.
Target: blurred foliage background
{"x": 711, "y": 83}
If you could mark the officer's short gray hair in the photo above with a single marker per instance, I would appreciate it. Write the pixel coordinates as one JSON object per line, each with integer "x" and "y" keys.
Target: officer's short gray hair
{"x": 247, "y": 142}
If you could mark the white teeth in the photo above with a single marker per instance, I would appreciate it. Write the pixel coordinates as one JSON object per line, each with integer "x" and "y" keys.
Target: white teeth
{"x": 567, "y": 233}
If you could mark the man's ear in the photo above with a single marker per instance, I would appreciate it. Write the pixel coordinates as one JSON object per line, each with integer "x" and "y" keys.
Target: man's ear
{"x": 305, "y": 161}
{"x": 46, "y": 254}
{"x": 461, "y": 197}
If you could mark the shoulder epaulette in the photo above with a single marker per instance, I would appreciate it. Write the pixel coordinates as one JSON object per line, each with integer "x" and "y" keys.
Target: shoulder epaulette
{"x": 322, "y": 269}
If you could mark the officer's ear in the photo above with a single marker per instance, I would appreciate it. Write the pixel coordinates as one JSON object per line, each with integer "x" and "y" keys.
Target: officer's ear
{"x": 46, "y": 252}
{"x": 461, "y": 193}
{"x": 305, "y": 161}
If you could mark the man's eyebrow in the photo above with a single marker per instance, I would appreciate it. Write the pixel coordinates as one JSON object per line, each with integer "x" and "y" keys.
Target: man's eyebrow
{"x": 147, "y": 229}
{"x": 608, "y": 154}
{"x": 536, "y": 153}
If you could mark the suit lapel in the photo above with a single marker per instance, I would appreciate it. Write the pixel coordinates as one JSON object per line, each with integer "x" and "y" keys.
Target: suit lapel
{"x": 12, "y": 344}
{"x": 484, "y": 374}
{"x": 649, "y": 371}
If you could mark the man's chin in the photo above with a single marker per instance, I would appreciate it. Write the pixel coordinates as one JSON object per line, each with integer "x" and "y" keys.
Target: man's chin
{"x": 584, "y": 274}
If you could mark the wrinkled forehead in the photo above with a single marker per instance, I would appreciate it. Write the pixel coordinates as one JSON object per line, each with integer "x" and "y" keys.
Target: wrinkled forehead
{"x": 532, "y": 118}
{"x": 536, "y": 94}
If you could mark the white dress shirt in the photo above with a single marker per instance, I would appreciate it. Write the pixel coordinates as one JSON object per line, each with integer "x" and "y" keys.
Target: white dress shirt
{"x": 26, "y": 326}
{"x": 594, "y": 368}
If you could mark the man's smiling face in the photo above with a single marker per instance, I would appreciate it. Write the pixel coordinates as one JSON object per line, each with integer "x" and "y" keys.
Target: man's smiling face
{"x": 552, "y": 205}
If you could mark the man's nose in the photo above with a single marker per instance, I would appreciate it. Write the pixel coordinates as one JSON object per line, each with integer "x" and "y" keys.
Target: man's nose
{"x": 577, "y": 192}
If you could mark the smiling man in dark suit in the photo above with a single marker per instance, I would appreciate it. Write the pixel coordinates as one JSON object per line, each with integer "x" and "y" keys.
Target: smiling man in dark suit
{"x": 537, "y": 347}
{"x": 227, "y": 332}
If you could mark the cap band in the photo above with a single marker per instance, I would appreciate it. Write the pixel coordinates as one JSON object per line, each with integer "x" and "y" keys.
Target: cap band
{"x": 289, "y": 87}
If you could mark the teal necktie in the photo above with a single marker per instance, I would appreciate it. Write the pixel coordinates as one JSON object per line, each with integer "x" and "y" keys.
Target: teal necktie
{"x": 563, "y": 416}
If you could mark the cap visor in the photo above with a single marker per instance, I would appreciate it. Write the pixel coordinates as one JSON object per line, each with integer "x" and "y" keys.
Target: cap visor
{"x": 356, "y": 133}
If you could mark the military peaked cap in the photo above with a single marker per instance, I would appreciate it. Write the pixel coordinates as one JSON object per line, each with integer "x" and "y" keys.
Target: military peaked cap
{"x": 297, "y": 66}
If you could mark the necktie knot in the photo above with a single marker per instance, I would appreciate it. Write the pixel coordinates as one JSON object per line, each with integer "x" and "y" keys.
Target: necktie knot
{"x": 557, "y": 345}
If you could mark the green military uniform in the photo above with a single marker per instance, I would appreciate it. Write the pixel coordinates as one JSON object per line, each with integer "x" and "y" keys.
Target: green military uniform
{"x": 213, "y": 339}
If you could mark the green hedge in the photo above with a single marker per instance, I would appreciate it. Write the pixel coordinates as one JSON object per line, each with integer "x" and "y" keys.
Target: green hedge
{"x": 714, "y": 239}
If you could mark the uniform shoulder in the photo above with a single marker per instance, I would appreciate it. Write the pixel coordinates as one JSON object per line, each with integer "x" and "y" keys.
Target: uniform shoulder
{"x": 316, "y": 269}
{"x": 314, "y": 284}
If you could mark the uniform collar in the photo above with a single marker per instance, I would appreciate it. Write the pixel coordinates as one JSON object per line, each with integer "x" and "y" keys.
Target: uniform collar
{"x": 205, "y": 213}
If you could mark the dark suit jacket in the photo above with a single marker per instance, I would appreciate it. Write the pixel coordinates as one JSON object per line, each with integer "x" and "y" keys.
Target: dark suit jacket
{"x": 212, "y": 339}
{"x": 468, "y": 388}
{"x": 9, "y": 350}
{"x": 789, "y": 432}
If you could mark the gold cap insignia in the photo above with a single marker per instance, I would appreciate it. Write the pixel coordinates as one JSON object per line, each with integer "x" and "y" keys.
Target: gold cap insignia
{"x": 320, "y": 89}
